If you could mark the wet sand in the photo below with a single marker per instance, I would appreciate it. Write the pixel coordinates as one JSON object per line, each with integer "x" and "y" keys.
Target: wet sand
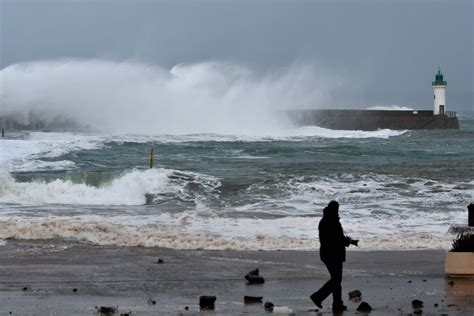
{"x": 131, "y": 279}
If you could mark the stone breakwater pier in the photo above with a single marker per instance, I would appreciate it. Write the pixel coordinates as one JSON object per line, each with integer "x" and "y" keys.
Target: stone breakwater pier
{"x": 369, "y": 120}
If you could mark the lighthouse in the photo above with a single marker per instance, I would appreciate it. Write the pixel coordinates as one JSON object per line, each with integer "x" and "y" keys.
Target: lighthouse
{"x": 439, "y": 87}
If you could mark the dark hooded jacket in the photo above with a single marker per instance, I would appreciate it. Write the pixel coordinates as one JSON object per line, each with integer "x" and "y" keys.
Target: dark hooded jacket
{"x": 331, "y": 237}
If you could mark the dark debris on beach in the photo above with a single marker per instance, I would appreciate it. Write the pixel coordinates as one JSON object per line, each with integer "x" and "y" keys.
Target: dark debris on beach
{"x": 253, "y": 277}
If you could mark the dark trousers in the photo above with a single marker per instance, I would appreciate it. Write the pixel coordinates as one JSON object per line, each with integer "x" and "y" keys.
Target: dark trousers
{"x": 333, "y": 285}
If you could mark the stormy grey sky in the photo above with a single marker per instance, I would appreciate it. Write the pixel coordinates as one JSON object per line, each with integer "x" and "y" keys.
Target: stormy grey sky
{"x": 387, "y": 51}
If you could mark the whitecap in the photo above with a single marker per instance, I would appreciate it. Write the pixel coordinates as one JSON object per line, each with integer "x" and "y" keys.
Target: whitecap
{"x": 26, "y": 154}
{"x": 129, "y": 188}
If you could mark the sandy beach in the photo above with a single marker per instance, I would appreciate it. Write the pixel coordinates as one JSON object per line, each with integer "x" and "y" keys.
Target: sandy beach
{"x": 39, "y": 278}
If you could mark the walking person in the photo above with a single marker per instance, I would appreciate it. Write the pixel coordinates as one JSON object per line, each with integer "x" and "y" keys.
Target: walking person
{"x": 333, "y": 253}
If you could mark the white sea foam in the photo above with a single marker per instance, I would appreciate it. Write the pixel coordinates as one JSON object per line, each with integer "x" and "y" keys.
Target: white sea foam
{"x": 182, "y": 233}
{"x": 315, "y": 131}
{"x": 40, "y": 165}
{"x": 288, "y": 134}
{"x": 392, "y": 107}
{"x": 128, "y": 189}
{"x": 368, "y": 194}
{"x": 25, "y": 153}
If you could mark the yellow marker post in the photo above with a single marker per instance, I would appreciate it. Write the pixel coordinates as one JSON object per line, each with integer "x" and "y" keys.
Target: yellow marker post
{"x": 152, "y": 157}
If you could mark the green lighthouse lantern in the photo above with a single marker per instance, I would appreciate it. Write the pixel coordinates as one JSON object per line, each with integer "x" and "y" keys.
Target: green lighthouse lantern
{"x": 439, "y": 89}
{"x": 439, "y": 79}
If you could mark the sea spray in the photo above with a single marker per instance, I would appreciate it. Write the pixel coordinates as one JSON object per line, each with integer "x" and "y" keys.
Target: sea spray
{"x": 132, "y": 97}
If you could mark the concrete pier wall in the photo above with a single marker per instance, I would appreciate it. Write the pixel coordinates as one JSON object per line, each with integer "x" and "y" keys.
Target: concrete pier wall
{"x": 368, "y": 120}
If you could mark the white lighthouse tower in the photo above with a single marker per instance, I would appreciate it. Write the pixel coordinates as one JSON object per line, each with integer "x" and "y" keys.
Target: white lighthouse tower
{"x": 439, "y": 87}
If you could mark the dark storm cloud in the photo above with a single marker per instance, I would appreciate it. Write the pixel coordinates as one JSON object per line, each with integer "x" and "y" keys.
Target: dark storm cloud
{"x": 389, "y": 50}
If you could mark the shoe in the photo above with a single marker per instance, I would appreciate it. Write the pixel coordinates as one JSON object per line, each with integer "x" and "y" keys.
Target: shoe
{"x": 339, "y": 307}
{"x": 314, "y": 298}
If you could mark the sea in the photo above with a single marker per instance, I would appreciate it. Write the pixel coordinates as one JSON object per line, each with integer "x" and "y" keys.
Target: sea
{"x": 236, "y": 191}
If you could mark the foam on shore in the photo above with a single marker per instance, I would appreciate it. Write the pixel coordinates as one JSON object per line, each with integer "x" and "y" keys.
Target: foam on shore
{"x": 179, "y": 233}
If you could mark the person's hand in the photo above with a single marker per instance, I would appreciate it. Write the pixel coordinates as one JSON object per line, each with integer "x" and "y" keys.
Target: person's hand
{"x": 354, "y": 242}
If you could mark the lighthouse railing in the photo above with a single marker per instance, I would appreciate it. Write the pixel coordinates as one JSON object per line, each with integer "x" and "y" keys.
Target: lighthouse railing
{"x": 451, "y": 114}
